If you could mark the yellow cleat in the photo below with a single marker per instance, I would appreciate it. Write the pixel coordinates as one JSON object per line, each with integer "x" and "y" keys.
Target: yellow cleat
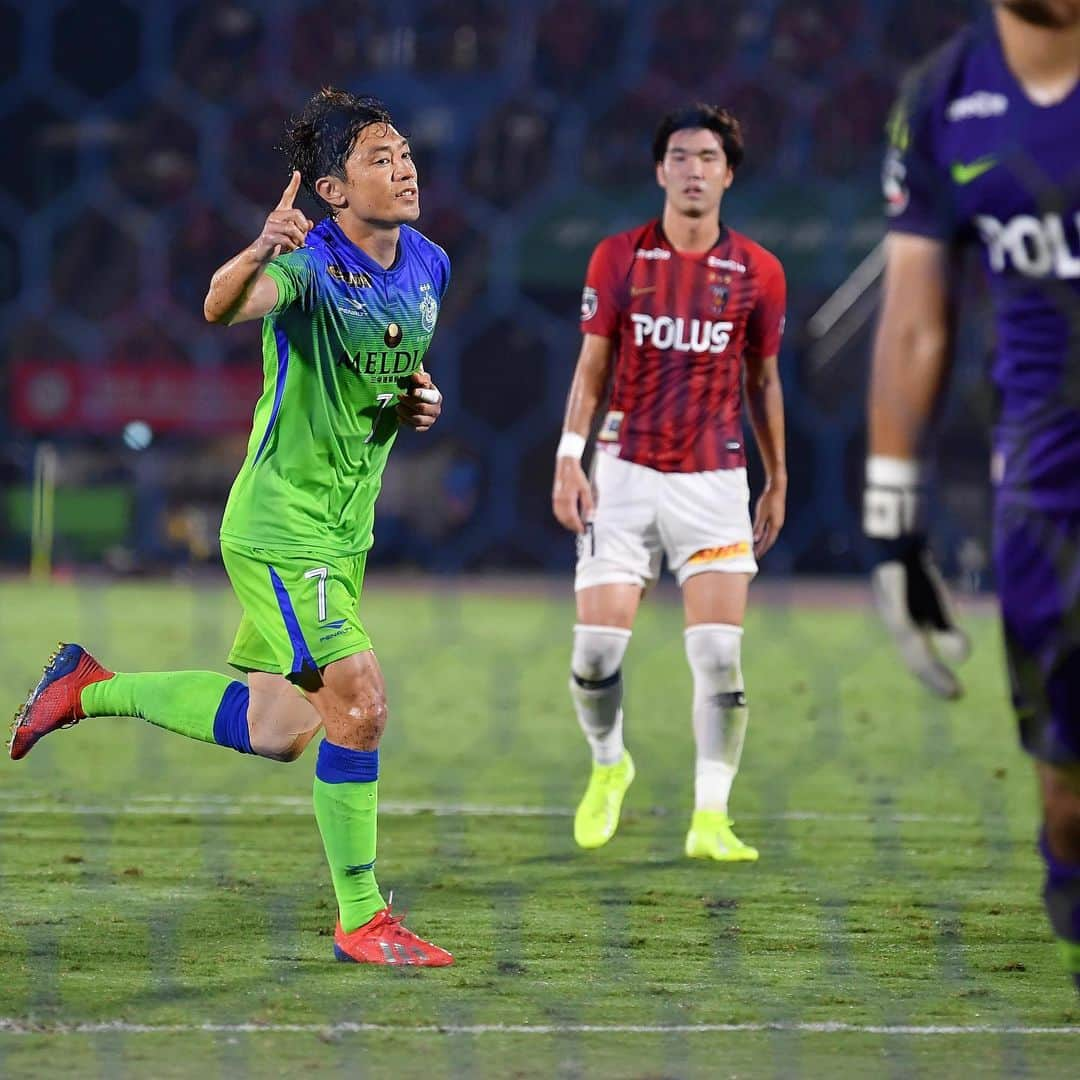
{"x": 710, "y": 837}
{"x": 597, "y": 815}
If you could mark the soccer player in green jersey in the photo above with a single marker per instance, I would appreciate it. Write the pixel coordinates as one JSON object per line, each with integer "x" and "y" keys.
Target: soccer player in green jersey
{"x": 349, "y": 307}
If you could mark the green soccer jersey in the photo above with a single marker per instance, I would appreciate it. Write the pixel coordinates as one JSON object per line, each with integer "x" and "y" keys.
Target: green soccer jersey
{"x": 338, "y": 349}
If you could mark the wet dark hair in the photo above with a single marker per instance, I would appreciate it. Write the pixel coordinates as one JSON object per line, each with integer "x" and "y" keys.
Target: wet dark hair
{"x": 699, "y": 115}
{"x": 321, "y": 136}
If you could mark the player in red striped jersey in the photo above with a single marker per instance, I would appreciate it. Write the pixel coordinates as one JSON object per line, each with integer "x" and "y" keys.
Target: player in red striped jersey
{"x": 676, "y": 316}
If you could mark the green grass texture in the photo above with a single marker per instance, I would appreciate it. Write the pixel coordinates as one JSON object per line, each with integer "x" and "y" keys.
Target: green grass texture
{"x": 167, "y": 911}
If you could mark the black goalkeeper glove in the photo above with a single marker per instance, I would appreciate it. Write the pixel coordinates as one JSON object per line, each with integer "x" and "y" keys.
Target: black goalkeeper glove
{"x": 909, "y": 592}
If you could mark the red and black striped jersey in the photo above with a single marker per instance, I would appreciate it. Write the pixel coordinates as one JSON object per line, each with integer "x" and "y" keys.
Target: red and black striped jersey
{"x": 681, "y": 326}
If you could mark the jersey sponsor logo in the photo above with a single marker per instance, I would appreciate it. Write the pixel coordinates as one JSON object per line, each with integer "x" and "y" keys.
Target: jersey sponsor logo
{"x": 737, "y": 550}
{"x": 380, "y": 365}
{"x": 894, "y": 183}
{"x": 590, "y": 301}
{"x": 1036, "y": 247}
{"x": 964, "y": 172}
{"x": 652, "y": 253}
{"x": 681, "y": 335}
{"x": 355, "y": 279}
{"x": 977, "y": 106}
{"x": 429, "y": 309}
{"x": 726, "y": 264}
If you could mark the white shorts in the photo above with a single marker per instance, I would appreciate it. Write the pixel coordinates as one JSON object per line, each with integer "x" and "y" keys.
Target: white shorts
{"x": 700, "y": 521}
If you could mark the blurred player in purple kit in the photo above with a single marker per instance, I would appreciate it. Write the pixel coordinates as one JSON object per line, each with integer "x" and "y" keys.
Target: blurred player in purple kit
{"x": 985, "y": 150}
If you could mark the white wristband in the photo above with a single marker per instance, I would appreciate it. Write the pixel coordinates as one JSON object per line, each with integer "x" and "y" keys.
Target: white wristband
{"x": 892, "y": 501}
{"x": 571, "y": 445}
{"x": 893, "y": 472}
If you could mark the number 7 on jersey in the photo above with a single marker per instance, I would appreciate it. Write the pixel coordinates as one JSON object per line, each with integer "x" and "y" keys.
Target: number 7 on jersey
{"x": 383, "y": 400}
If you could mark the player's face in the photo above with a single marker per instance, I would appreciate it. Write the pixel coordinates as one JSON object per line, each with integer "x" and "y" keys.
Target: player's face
{"x": 380, "y": 178}
{"x": 1056, "y": 14}
{"x": 694, "y": 173}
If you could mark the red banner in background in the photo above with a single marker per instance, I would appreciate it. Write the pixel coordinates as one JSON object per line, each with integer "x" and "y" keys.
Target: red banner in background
{"x": 63, "y": 396}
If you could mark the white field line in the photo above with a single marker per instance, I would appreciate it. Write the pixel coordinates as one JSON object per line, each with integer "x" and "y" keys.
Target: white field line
{"x": 13, "y": 1026}
{"x": 12, "y": 803}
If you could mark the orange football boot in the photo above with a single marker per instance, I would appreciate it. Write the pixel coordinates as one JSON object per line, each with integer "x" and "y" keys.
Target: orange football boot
{"x": 383, "y": 940}
{"x": 54, "y": 702}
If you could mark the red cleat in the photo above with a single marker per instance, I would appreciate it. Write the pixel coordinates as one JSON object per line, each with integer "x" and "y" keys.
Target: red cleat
{"x": 54, "y": 702}
{"x": 383, "y": 940}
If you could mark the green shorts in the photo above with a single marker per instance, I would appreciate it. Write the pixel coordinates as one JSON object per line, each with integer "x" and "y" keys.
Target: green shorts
{"x": 301, "y": 612}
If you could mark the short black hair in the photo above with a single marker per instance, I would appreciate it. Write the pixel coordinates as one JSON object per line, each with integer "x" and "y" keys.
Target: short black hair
{"x": 321, "y": 136}
{"x": 700, "y": 115}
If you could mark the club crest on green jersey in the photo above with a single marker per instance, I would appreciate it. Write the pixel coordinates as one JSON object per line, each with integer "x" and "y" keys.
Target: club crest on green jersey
{"x": 429, "y": 309}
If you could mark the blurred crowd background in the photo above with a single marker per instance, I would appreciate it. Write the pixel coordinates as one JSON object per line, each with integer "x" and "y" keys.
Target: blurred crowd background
{"x": 140, "y": 154}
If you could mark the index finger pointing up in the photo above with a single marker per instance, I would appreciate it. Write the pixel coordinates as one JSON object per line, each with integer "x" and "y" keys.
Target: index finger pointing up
{"x": 289, "y": 194}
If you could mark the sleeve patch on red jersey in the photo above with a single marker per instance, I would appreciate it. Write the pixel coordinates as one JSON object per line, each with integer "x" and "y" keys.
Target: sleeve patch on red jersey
{"x": 589, "y": 303}
{"x": 609, "y": 429}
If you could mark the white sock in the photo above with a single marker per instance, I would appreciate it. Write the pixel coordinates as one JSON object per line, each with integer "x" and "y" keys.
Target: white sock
{"x": 720, "y": 713}
{"x": 596, "y": 688}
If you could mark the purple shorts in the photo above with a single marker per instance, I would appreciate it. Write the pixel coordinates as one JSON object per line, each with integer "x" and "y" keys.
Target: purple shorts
{"x": 1037, "y": 564}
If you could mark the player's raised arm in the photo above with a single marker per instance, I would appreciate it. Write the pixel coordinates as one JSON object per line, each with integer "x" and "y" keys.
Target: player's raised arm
{"x": 910, "y": 370}
{"x": 239, "y": 290}
{"x": 571, "y": 496}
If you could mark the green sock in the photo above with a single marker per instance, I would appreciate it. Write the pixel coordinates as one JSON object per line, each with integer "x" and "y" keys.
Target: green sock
{"x": 186, "y": 702}
{"x": 346, "y": 815}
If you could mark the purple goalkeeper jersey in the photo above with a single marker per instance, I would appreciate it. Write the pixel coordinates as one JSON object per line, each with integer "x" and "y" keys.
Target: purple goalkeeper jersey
{"x": 972, "y": 159}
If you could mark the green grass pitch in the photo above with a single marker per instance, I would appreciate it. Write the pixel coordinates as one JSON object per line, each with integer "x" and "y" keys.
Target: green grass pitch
{"x": 166, "y": 910}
